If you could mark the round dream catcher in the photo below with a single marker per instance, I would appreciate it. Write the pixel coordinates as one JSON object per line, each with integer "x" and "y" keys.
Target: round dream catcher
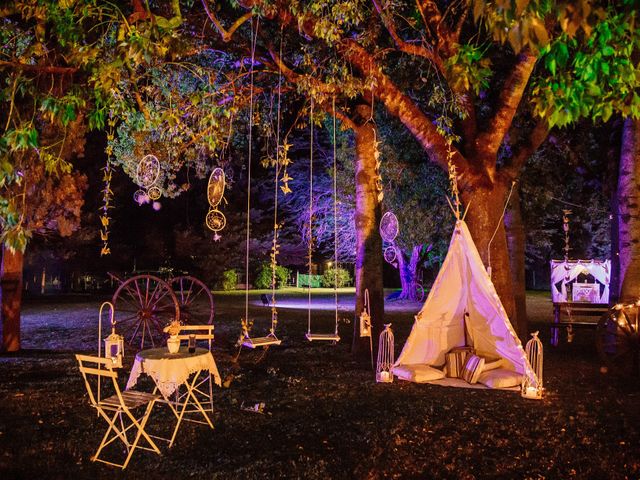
{"x": 215, "y": 219}
{"x": 389, "y": 228}
{"x": 147, "y": 174}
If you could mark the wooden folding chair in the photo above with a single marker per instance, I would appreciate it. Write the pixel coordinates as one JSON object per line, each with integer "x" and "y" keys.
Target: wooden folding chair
{"x": 117, "y": 409}
{"x": 204, "y": 386}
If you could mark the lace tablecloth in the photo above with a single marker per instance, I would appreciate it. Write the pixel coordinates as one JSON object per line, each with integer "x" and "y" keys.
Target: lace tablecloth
{"x": 170, "y": 370}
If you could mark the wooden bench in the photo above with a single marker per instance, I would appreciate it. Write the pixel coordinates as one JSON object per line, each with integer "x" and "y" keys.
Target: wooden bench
{"x": 571, "y": 310}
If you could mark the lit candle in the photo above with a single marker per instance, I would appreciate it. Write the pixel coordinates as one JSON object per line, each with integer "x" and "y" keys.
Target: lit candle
{"x": 384, "y": 376}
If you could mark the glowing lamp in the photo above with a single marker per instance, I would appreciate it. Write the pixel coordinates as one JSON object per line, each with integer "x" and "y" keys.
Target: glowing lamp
{"x": 114, "y": 347}
{"x": 365, "y": 318}
{"x": 365, "y": 324}
{"x": 384, "y": 366}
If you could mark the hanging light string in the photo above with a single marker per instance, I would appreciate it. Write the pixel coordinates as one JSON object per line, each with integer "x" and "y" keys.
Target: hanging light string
{"x": 254, "y": 37}
{"x": 310, "y": 234}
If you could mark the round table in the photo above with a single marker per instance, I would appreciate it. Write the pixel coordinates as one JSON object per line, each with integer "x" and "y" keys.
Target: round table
{"x": 169, "y": 371}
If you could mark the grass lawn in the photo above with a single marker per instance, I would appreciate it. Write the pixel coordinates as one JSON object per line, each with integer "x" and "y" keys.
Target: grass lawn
{"x": 325, "y": 416}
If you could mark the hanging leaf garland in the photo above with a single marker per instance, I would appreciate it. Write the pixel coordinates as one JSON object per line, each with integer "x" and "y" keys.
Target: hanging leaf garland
{"x": 107, "y": 193}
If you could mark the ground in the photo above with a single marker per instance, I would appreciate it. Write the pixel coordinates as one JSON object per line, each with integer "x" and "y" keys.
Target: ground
{"x": 325, "y": 416}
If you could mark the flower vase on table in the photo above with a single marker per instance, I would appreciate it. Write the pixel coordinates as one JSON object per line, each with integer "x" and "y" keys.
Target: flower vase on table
{"x": 173, "y": 342}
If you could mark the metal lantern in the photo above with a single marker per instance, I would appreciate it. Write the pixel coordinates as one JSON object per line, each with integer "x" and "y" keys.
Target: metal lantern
{"x": 365, "y": 317}
{"x": 532, "y": 387}
{"x": 114, "y": 343}
{"x": 384, "y": 367}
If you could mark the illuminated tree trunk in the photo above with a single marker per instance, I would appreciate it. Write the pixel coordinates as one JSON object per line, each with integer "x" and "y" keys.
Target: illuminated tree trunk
{"x": 368, "y": 267}
{"x": 11, "y": 283}
{"x": 629, "y": 211}
{"x": 516, "y": 241}
{"x": 486, "y": 203}
{"x": 409, "y": 271}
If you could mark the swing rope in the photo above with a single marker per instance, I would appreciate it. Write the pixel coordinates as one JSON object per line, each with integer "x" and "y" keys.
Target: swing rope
{"x": 334, "y": 337}
{"x": 335, "y": 217}
{"x": 246, "y": 340}
{"x": 310, "y": 233}
{"x": 254, "y": 37}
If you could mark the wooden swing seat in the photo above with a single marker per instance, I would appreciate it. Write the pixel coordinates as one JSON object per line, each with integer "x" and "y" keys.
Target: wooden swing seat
{"x": 258, "y": 342}
{"x": 327, "y": 337}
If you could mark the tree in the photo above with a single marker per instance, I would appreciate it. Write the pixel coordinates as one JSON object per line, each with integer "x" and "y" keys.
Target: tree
{"x": 463, "y": 106}
{"x": 629, "y": 212}
{"x": 585, "y": 72}
{"x": 36, "y": 203}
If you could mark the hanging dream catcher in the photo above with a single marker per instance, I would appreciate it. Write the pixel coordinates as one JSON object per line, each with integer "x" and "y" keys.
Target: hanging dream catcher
{"x": 389, "y": 229}
{"x": 147, "y": 175}
{"x": 215, "y": 219}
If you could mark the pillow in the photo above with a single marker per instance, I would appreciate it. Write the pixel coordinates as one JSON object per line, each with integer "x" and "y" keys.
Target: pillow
{"x": 472, "y": 368}
{"x": 500, "y": 378}
{"x": 493, "y": 363}
{"x": 454, "y": 361}
{"x": 419, "y": 373}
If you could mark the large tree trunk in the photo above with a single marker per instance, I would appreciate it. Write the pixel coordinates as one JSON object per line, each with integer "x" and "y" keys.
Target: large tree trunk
{"x": 613, "y": 162}
{"x": 11, "y": 283}
{"x": 516, "y": 241}
{"x": 368, "y": 268}
{"x": 629, "y": 211}
{"x": 486, "y": 203}
{"x": 409, "y": 272}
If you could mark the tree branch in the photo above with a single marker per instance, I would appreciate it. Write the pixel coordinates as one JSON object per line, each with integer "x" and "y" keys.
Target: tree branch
{"x": 326, "y": 106}
{"x": 401, "y": 106}
{"x": 536, "y": 137}
{"x": 39, "y": 68}
{"x": 225, "y": 34}
{"x": 487, "y": 143}
{"x": 403, "y": 46}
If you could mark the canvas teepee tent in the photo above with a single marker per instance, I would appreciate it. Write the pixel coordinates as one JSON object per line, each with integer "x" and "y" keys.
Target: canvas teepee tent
{"x": 463, "y": 286}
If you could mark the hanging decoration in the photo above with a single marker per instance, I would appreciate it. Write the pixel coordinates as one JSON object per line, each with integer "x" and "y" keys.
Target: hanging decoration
{"x": 384, "y": 366}
{"x": 215, "y": 219}
{"x": 376, "y": 155}
{"x": 565, "y": 228}
{"x": 147, "y": 174}
{"x": 532, "y": 387}
{"x": 107, "y": 193}
{"x": 389, "y": 228}
{"x": 453, "y": 181}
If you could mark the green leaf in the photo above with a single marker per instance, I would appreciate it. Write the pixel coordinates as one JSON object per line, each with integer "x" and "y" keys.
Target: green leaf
{"x": 608, "y": 51}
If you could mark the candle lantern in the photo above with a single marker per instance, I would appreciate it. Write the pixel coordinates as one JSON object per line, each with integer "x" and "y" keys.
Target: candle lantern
{"x": 532, "y": 387}
{"x": 365, "y": 317}
{"x": 384, "y": 368}
{"x": 114, "y": 343}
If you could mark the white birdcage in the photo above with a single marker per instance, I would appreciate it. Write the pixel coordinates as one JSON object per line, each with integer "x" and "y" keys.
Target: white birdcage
{"x": 384, "y": 367}
{"x": 532, "y": 387}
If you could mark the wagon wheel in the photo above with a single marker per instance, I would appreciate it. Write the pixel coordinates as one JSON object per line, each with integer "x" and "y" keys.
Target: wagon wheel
{"x": 419, "y": 292}
{"x": 618, "y": 342}
{"x": 195, "y": 299}
{"x": 144, "y": 305}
